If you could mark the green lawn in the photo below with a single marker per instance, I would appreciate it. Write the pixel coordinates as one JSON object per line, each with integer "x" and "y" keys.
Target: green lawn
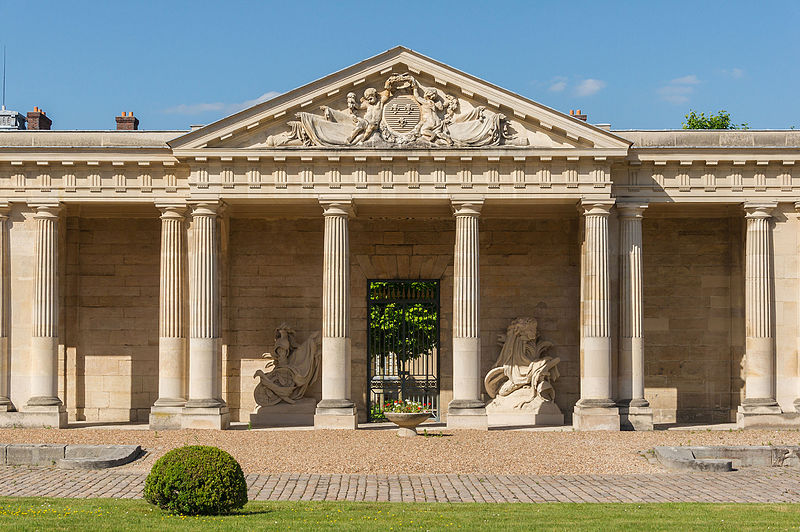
{"x": 109, "y": 514}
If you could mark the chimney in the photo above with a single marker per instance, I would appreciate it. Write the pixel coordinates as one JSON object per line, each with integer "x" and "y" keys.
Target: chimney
{"x": 127, "y": 122}
{"x": 38, "y": 120}
{"x": 577, "y": 114}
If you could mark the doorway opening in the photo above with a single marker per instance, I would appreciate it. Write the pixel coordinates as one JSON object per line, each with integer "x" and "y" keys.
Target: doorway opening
{"x": 402, "y": 344}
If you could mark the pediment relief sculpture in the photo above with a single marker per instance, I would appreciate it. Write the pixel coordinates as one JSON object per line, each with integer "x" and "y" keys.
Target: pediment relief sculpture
{"x": 291, "y": 368}
{"x": 522, "y": 378}
{"x": 404, "y": 114}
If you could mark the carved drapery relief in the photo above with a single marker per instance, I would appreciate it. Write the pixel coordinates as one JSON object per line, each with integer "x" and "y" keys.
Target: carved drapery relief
{"x": 403, "y": 114}
{"x": 291, "y": 368}
{"x": 522, "y": 376}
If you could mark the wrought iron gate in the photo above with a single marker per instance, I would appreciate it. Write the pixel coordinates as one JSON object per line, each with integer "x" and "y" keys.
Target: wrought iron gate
{"x": 402, "y": 344}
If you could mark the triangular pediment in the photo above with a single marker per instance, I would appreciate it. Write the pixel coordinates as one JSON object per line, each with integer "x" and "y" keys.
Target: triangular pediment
{"x": 399, "y": 99}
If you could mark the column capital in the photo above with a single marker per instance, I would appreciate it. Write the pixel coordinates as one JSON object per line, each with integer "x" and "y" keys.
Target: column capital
{"x": 172, "y": 212}
{"x": 759, "y": 209}
{"x": 337, "y": 205}
{"x": 46, "y": 210}
{"x": 631, "y": 210}
{"x": 206, "y": 208}
{"x": 600, "y": 207}
{"x": 467, "y": 206}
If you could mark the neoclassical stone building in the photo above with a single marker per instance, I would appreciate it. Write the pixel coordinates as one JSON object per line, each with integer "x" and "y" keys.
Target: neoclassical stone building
{"x": 144, "y": 272}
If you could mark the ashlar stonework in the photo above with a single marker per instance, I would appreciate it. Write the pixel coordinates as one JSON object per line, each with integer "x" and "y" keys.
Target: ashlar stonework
{"x": 143, "y": 273}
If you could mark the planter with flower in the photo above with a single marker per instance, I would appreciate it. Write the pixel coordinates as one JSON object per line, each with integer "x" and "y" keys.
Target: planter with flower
{"x": 406, "y": 415}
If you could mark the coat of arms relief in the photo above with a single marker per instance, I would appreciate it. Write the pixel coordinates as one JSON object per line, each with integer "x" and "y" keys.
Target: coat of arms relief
{"x": 404, "y": 114}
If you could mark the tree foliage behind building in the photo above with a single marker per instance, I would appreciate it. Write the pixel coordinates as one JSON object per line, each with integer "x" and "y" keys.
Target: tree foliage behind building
{"x": 721, "y": 120}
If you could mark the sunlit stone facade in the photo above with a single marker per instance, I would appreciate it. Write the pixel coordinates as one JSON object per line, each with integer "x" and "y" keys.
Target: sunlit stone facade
{"x": 144, "y": 272}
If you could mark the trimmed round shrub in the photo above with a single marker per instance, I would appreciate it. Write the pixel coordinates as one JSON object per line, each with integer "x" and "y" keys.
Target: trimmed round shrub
{"x": 196, "y": 480}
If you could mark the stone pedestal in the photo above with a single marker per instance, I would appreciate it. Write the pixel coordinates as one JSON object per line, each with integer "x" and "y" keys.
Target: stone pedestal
{"x": 766, "y": 417}
{"x": 635, "y": 417}
{"x": 54, "y": 416}
{"x": 589, "y": 417}
{"x": 467, "y": 410}
{"x": 198, "y": 417}
{"x": 336, "y": 410}
{"x": 165, "y": 417}
{"x": 299, "y": 414}
{"x": 544, "y": 413}
{"x": 329, "y": 416}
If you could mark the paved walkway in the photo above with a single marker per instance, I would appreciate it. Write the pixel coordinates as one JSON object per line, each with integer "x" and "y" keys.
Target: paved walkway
{"x": 751, "y": 485}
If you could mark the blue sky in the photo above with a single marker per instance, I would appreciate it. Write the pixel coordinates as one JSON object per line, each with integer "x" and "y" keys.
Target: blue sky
{"x": 637, "y": 65}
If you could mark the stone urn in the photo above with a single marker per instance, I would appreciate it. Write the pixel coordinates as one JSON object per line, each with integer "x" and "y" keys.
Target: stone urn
{"x": 407, "y": 421}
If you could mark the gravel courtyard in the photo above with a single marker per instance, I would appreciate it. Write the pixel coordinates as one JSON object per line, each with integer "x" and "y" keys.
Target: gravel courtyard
{"x": 377, "y": 451}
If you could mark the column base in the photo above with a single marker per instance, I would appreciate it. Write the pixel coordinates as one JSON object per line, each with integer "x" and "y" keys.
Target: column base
{"x": 6, "y": 405}
{"x": 199, "y": 417}
{"x": 35, "y": 417}
{"x": 335, "y": 415}
{"x": 756, "y": 414}
{"x": 633, "y": 417}
{"x": 467, "y": 415}
{"x": 165, "y": 417}
{"x": 596, "y": 416}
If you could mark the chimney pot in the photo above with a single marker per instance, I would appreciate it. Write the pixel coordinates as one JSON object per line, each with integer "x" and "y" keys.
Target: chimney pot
{"x": 127, "y": 122}
{"x": 38, "y": 120}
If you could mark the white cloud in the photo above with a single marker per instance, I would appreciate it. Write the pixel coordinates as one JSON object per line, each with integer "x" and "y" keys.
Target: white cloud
{"x": 589, "y": 86}
{"x": 558, "y": 84}
{"x": 691, "y": 79}
{"x": 675, "y": 93}
{"x": 218, "y": 107}
{"x": 679, "y": 90}
{"x": 735, "y": 73}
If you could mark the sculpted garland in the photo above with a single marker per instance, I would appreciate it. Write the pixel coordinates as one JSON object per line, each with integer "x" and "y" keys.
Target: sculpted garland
{"x": 403, "y": 114}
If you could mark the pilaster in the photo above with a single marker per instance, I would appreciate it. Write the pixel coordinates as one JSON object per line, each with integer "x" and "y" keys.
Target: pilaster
{"x": 596, "y": 410}
{"x": 467, "y": 410}
{"x": 336, "y": 410}
{"x": 635, "y": 411}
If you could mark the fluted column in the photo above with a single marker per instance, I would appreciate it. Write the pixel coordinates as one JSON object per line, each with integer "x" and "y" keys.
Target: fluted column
{"x": 637, "y": 414}
{"x": 5, "y": 401}
{"x": 205, "y": 408}
{"x": 596, "y": 410}
{"x": 336, "y": 410}
{"x": 466, "y": 410}
{"x": 44, "y": 342}
{"x": 171, "y": 334}
{"x": 759, "y": 310}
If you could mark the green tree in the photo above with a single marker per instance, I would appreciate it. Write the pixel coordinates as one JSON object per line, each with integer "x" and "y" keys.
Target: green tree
{"x": 408, "y": 330}
{"x": 721, "y": 120}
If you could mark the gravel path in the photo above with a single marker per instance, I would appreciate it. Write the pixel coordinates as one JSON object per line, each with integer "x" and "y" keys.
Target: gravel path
{"x": 382, "y": 452}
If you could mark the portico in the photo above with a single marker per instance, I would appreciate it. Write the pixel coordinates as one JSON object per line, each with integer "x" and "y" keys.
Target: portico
{"x": 144, "y": 273}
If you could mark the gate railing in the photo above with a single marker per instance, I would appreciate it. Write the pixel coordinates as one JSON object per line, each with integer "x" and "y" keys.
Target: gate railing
{"x": 402, "y": 343}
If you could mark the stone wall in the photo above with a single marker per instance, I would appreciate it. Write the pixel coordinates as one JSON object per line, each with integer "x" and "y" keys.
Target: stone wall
{"x": 528, "y": 268}
{"x": 111, "y": 318}
{"x": 274, "y": 276}
{"x": 531, "y": 268}
{"x": 693, "y": 317}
